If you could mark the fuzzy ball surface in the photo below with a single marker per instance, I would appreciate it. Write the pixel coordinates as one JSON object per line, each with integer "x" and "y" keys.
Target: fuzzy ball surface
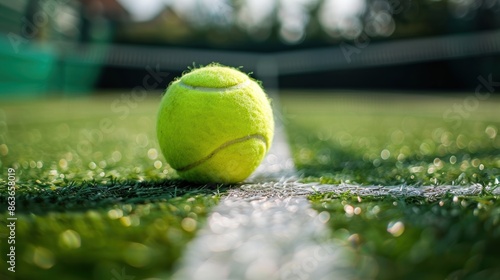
{"x": 215, "y": 125}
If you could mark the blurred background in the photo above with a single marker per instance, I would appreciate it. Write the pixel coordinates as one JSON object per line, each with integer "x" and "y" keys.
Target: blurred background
{"x": 77, "y": 47}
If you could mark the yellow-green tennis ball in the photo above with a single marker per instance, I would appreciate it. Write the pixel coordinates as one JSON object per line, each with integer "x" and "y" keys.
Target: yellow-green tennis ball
{"x": 215, "y": 124}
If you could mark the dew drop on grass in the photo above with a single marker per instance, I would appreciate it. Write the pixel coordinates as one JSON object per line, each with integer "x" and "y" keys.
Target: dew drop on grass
{"x": 385, "y": 154}
{"x": 375, "y": 210}
{"x": 431, "y": 170}
{"x": 125, "y": 221}
{"x": 193, "y": 215}
{"x": 355, "y": 240}
{"x": 152, "y": 154}
{"x": 69, "y": 239}
{"x": 397, "y": 137}
{"x": 188, "y": 224}
{"x": 43, "y": 258}
{"x": 116, "y": 156}
{"x": 491, "y": 131}
{"x": 135, "y": 220}
{"x": 401, "y": 157}
{"x": 349, "y": 210}
{"x": 396, "y": 228}
{"x": 426, "y": 148}
{"x": 324, "y": 217}
{"x": 142, "y": 140}
{"x": 453, "y": 159}
{"x": 63, "y": 163}
{"x": 345, "y": 139}
{"x": 93, "y": 215}
{"x": 475, "y": 212}
{"x": 464, "y": 203}
{"x": 127, "y": 208}
{"x": 115, "y": 214}
{"x": 137, "y": 254}
{"x": 461, "y": 141}
{"x": 438, "y": 163}
{"x": 4, "y": 150}
{"x": 464, "y": 165}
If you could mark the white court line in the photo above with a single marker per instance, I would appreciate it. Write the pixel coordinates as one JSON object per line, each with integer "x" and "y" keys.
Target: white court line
{"x": 292, "y": 188}
{"x": 269, "y": 238}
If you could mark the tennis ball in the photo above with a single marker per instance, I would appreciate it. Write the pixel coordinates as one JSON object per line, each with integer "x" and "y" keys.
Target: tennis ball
{"x": 215, "y": 124}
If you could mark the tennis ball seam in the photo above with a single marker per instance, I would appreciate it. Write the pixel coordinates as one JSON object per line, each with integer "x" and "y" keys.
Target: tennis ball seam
{"x": 215, "y": 89}
{"x": 259, "y": 137}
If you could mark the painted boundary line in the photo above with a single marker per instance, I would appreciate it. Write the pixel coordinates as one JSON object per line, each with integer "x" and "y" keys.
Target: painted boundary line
{"x": 269, "y": 231}
{"x": 292, "y": 188}
{"x": 266, "y": 238}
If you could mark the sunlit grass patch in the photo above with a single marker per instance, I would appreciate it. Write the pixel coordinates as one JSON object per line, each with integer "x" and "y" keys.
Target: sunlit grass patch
{"x": 414, "y": 238}
{"x": 393, "y": 140}
{"x": 55, "y": 142}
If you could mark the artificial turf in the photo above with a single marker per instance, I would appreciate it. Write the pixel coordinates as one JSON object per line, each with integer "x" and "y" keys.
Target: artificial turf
{"x": 96, "y": 200}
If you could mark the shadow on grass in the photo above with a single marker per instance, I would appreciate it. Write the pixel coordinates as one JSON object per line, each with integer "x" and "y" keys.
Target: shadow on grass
{"x": 91, "y": 195}
{"x": 91, "y": 230}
